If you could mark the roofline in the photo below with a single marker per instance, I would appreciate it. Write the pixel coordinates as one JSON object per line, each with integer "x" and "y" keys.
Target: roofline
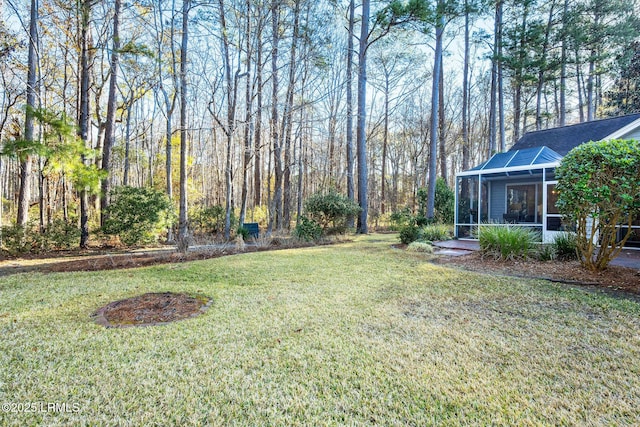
{"x": 509, "y": 169}
{"x": 623, "y": 131}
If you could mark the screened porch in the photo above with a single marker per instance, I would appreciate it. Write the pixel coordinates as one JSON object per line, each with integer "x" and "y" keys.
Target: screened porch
{"x": 510, "y": 188}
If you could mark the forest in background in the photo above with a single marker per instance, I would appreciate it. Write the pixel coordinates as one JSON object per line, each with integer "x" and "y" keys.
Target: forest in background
{"x": 253, "y": 105}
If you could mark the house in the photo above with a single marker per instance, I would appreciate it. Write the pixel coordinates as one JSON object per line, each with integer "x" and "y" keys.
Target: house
{"x": 518, "y": 186}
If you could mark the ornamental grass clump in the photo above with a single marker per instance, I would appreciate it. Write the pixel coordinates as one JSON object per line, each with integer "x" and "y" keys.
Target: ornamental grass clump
{"x": 566, "y": 246}
{"x": 422, "y": 247}
{"x": 436, "y": 232}
{"x": 507, "y": 242}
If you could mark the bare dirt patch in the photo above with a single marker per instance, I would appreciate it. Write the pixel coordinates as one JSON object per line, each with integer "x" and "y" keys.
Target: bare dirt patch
{"x": 615, "y": 277}
{"x": 151, "y": 309}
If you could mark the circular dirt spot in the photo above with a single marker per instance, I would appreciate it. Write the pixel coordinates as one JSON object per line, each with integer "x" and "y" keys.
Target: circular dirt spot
{"x": 151, "y": 309}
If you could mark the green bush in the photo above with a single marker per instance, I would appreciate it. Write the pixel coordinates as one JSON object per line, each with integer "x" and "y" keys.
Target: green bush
{"x": 401, "y": 218}
{"x": 244, "y": 232}
{"x": 138, "y": 215}
{"x": 209, "y": 220}
{"x": 443, "y": 204}
{"x": 330, "y": 210}
{"x": 436, "y": 232}
{"x": 308, "y": 230}
{"x": 599, "y": 189}
{"x": 409, "y": 233}
{"x": 566, "y": 246}
{"x": 17, "y": 240}
{"x": 508, "y": 242}
{"x": 61, "y": 234}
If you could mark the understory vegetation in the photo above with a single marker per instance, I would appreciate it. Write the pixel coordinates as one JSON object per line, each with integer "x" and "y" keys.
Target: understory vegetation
{"x": 418, "y": 227}
{"x": 357, "y": 334}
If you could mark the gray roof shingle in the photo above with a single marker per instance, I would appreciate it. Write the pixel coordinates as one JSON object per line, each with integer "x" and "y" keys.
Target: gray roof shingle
{"x": 564, "y": 139}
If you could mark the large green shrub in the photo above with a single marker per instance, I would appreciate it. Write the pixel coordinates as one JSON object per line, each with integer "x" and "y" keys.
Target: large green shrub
{"x": 209, "y": 220}
{"x": 508, "y": 242}
{"x": 599, "y": 189}
{"x": 308, "y": 230}
{"x": 17, "y": 240}
{"x": 401, "y": 218}
{"x": 138, "y": 215}
{"x": 409, "y": 233}
{"x": 443, "y": 204}
{"x": 330, "y": 210}
{"x": 59, "y": 234}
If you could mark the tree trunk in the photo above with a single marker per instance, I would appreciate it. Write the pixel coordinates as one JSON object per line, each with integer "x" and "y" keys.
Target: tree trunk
{"x": 229, "y": 128}
{"x": 287, "y": 127}
{"x": 465, "y": 96}
{"x": 183, "y": 225}
{"x": 109, "y": 134}
{"x": 248, "y": 126}
{"x": 24, "y": 195}
{"x": 441, "y": 126}
{"x": 501, "y": 125}
{"x": 494, "y": 83}
{"x": 563, "y": 67}
{"x": 433, "y": 152}
{"x": 361, "y": 136}
{"x": 385, "y": 142}
{"x": 349, "y": 130}
{"x": 275, "y": 217}
{"x": 541, "y": 71}
{"x": 517, "y": 99}
{"x": 84, "y": 114}
{"x": 127, "y": 146}
{"x": 590, "y": 87}
{"x": 579, "y": 88}
{"x": 257, "y": 185}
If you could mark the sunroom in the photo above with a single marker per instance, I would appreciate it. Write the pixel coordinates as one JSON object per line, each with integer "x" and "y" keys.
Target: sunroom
{"x": 516, "y": 187}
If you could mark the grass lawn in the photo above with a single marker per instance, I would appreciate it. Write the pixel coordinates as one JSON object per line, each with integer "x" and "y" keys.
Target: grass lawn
{"x": 354, "y": 334}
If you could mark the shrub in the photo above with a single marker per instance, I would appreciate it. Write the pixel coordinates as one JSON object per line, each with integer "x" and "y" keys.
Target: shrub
{"x": 209, "y": 220}
{"x": 137, "y": 215}
{"x": 420, "y": 247}
{"x": 17, "y": 240}
{"x": 401, "y": 218}
{"x": 409, "y": 233}
{"x": 599, "y": 188}
{"x": 330, "y": 211}
{"x": 443, "y": 204}
{"x": 507, "y": 242}
{"x": 244, "y": 232}
{"x": 307, "y": 229}
{"x": 61, "y": 234}
{"x": 436, "y": 232}
{"x": 566, "y": 246}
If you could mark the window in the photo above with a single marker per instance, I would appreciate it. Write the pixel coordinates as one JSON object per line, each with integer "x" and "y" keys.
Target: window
{"x": 552, "y": 198}
{"x": 524, "y": 203}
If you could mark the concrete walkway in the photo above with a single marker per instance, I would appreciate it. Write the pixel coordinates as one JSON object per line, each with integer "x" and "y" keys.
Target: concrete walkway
{"x": 629, "y": 258}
